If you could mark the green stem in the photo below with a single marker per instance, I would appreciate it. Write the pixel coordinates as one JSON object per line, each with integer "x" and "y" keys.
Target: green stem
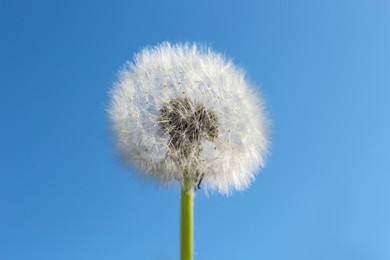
{"x": 187, "y": 219}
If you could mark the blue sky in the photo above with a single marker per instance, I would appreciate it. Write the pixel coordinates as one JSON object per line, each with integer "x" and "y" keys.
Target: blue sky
{"x": 323, "y": 67}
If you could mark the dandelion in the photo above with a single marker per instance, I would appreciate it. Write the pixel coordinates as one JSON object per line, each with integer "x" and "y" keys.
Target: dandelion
{"x": 183, "y": 113}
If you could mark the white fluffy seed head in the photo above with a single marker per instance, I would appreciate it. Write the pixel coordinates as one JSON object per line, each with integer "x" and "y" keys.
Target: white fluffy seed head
{"x": 185, "y": 110}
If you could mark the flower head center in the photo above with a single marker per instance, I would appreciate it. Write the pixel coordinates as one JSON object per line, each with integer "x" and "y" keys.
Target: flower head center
{"x": 187, "y": 123}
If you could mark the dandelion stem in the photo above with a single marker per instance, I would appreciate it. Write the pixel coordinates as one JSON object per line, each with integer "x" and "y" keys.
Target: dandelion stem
{"x": 187, "y": 216}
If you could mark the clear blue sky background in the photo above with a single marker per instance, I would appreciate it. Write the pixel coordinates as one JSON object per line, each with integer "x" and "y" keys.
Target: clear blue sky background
{"x": 324, "y": 68}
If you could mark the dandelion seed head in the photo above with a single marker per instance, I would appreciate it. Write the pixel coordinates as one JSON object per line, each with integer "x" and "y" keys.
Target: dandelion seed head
{"x": 183, "y": 109}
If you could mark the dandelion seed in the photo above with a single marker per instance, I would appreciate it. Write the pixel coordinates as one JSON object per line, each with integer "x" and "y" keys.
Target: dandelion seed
{"x": 183, "y": 111}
